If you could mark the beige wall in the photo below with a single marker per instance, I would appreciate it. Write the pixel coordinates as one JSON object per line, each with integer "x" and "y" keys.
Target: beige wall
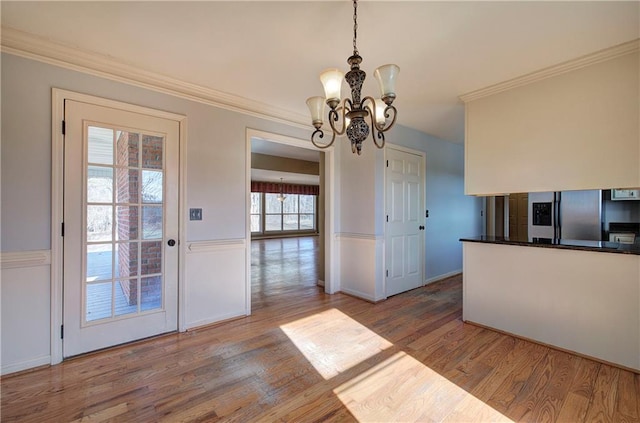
{"x": 575, "y": 130}
{"x": 284, "y": 164}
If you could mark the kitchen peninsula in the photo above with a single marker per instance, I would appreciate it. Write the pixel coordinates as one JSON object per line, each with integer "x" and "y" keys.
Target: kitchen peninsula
{"x": 580, "y": 296}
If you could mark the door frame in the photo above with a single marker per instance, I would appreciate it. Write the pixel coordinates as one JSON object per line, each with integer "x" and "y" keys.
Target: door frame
{"x": 331, "y": 264}
{"x": 58, "y": 96}
{"x": 423, "y": 202}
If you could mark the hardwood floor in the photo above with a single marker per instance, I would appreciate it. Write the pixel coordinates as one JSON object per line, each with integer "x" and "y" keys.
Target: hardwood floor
{"x": 306, "y": 356}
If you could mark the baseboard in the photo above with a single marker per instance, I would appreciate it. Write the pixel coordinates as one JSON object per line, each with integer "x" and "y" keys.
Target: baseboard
{"x": 26, "y": 365}
{"x": 443, "y": 276}
{"x": 358, "y": 294}
{"x": 320, "y": 282}
{"x": 214, "y": 320}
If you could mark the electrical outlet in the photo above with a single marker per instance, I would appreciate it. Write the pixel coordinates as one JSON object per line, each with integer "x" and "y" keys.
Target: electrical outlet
{"x": 195, "y": 214}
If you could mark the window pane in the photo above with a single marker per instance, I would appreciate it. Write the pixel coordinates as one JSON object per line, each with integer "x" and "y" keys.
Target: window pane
{"x": 127, "y": 185}
{"x": 290, "y": 204}
{"x": 151, "y": 222}
{"x": 151, "y": 152}
{"x": 307, "y": 204}
{"x": 255, "y": 223}
{"x": 272, "y": 205}
{"x": 151, "y": 186}
{"x": 126, "y": 296}
{"x": 151, "y": 258}
{"x": 255, "y": 202}
{"x": 126, "y": 223}
{"x": 290, "y": 222}
{"x": 127, "y": 149}
{"x": 99, "y": 222}
{"x": 100, "y": 145}
{"x": 150, "y": 293}
{"x": 99, "y": 184}
{"x": 98, "y": 262}
{"x": 99, "y": 298}
{"x": 307, "y": 221}
{"x": 127, "y": 259}
{"x": 273, "y": 222}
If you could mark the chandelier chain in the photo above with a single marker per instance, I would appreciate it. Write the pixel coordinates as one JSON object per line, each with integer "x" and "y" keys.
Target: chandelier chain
{"x": 355, "y": 27}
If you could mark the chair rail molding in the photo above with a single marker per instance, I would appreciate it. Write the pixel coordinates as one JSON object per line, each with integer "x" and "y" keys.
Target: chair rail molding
{"x": 16, "y": 259}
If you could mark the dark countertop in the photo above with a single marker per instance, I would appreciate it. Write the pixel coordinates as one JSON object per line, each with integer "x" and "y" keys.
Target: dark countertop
{"x": 566, "y": 244}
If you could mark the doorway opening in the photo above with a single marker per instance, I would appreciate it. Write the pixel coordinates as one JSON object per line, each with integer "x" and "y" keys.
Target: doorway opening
{"x": 287, "y": 219}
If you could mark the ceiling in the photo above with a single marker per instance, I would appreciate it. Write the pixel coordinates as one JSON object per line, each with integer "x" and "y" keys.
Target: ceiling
{"x": 271, "y": 53}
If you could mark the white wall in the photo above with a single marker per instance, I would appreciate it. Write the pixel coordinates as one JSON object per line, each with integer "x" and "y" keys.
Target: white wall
{"x": 578, "y": 130}
{"x": 216, "y": 154}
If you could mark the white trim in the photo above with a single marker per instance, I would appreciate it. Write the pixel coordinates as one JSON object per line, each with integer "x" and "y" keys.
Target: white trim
{"x": 361, "y": 295}
{"x": 30, "y": 46}
{"x": 182, "y": 227}
{"x": 214, "y": 245}
{"x": 58, "y": 96}
{"x": 443, "y": 276}
{"x": 217, "y": 319}
{"x": 17, "y": 259}
{"x": 568, "y": 66}
{"x": 331, "y": 265}
{"x": 27, "y": 364}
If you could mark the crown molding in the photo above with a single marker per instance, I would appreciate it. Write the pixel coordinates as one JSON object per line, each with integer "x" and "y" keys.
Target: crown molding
{"x": 33, "y": 47}
{"x": 571, "y": 65}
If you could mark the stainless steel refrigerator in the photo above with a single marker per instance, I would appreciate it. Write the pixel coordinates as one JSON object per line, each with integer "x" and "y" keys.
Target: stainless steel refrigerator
{"x": 566, "y": 215}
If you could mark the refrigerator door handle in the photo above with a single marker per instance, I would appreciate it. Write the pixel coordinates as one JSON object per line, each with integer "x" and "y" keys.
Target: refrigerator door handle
{"x": 557, "y": 199}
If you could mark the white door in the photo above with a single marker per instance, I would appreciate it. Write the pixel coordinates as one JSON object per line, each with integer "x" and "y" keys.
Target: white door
{"x": 120, "y": 227}
{"x": 404, "y": 238}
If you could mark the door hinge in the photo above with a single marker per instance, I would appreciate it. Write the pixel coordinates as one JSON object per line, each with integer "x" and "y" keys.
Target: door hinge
{"x": 61, "y": 331}
{"x": 64, "y": 128}
{"x": 387, "y": 218}
{"x": 387, "y": 273}
{"x": 387, "y": 163}
{"x": 62, "y": 229}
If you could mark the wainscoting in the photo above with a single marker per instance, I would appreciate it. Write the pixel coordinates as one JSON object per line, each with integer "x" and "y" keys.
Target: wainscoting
{"x": 361, "y": 265}
{"x": 215, "y": 281}
{"x": 26, "y": 286}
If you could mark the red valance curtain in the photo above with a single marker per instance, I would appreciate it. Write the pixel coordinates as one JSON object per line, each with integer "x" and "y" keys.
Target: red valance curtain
{"x": 274, "y": 188}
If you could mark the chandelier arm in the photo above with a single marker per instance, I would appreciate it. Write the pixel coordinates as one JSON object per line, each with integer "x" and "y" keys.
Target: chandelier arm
{"x": 372, "y": 110}
{"x": 335, "y": 117}
{"x": 386, "y": 115}
{"x": 320, "y": 136}
{"x": 374, "y": 125}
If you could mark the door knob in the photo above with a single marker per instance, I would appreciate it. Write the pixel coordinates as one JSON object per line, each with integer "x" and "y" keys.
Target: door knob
{"x": 171, "y": 242}
{"x": 421, "y": 227}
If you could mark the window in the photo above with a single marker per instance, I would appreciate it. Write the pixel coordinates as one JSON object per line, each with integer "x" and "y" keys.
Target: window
{"x": 256, "y": 212}
{"x": 296, "y": 213}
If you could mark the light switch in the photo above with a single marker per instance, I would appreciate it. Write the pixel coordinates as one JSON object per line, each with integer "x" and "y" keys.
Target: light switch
{"x": 195, "y": 214}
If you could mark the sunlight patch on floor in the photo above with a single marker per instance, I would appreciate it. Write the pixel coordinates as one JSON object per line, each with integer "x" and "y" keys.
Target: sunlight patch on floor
{"x": 321, "y": 339}
{"x": 403, "y": 389}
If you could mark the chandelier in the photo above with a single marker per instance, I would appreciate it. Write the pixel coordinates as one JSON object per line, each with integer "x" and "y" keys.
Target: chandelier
{"x": 353, "y": 111}
{"x": 281, "y": 197}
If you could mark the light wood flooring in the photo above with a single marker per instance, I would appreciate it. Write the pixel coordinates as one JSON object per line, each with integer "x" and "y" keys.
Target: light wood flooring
{"x": 304, "y": 356}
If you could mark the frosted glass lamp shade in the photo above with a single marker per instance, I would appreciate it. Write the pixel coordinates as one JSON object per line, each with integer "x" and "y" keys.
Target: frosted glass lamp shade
{"x": 386, "y": 76}
{"x": 316, "y": 107}
{"x": 380, "y": 106}
{"x": 332, "y": 82}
